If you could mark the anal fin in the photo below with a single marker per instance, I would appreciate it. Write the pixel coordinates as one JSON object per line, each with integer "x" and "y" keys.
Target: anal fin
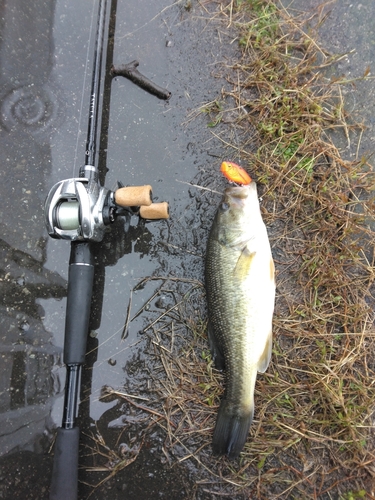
{"x": 265, "y": 358}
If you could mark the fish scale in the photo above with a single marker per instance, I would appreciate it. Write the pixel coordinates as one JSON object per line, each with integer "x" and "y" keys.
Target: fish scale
{"x": 240, "y": 293}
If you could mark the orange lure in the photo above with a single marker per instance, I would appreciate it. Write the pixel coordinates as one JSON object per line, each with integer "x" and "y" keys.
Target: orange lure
{"x": 235, "y": 173}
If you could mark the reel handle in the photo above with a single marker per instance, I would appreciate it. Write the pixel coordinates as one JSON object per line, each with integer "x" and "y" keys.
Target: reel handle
{"x": 141, "y": 196}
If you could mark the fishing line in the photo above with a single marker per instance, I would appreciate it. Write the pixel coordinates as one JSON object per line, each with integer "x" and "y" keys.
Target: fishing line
{"x": 83, "y": 89}
{"x": 150, "y": 21}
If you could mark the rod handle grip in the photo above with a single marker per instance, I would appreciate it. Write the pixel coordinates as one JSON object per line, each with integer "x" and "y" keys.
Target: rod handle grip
{"x": 64, "y": 484}
{"x": 133, "y": 196}
{"x": 155, "y": 211}
{"x": 80, "y": 285}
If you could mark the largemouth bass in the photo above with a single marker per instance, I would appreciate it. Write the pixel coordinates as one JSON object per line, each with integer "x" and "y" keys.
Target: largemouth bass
{"x": 240, "y": 285}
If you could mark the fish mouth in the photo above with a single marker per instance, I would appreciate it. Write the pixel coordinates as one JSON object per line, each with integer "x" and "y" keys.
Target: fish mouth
{"x": 236, "y": 196}
{"x": 239, "y": 191}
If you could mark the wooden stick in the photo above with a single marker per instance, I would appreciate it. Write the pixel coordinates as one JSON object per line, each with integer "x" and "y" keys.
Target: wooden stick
{"x": 130, "y": 71}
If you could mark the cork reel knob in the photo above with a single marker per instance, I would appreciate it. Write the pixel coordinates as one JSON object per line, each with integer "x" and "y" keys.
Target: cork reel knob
{"x": 155, "y": 211}
{"x": 134, "y": 196}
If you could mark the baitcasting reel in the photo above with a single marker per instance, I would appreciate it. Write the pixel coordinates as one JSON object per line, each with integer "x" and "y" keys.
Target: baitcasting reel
{"x": 79, "y": 208}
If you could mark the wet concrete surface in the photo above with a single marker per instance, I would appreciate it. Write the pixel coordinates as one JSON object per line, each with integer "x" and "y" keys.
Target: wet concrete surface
{"x": 45, "y": 56}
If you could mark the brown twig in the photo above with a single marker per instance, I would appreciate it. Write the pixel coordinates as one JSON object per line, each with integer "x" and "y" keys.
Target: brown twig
{"x": 130, "y": 71}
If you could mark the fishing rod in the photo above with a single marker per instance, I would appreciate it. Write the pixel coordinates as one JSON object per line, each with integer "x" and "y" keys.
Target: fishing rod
{"x": 79, "y": 209}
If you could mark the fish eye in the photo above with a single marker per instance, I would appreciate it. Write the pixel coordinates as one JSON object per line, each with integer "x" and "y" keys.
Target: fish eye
{"x": 224, "y": 206}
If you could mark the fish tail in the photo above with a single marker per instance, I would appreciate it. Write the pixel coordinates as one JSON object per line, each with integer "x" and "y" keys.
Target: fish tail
{"x": 231, "y": 430}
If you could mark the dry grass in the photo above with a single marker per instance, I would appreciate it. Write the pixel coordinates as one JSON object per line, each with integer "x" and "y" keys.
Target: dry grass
{"x": 313, "y": 431}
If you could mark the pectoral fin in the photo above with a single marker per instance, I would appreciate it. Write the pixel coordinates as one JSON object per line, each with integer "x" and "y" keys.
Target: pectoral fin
{"x": 265, "y": 358}
{"x": 244, "y": 263}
